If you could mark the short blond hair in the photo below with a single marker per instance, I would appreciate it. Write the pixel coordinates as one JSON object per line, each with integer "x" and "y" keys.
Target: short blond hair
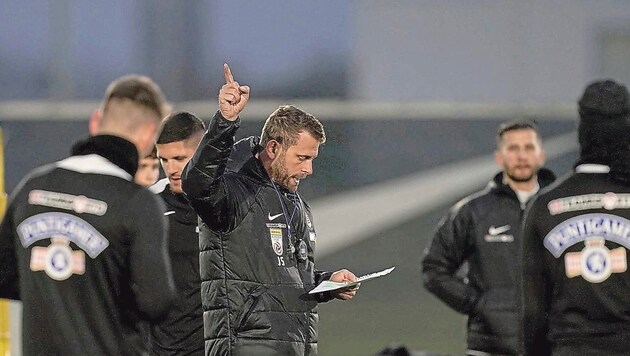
{"x": 286, "y": 122}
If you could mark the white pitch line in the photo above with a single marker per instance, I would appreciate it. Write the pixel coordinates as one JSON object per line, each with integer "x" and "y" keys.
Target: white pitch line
{"x": 347, "y": 218}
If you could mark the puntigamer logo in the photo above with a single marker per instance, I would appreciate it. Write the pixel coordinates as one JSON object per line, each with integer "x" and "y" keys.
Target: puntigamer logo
{"x": 605, "y": 226}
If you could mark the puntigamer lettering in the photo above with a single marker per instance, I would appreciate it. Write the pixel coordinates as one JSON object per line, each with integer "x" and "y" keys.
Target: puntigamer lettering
{"x": 609, "y": 227}
{"x": 77, "y": 230}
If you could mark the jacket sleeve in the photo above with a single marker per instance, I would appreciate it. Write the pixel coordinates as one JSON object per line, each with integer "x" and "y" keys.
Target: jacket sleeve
{"x": 450, "y": 247}
{"x": 151, "y": 277}
{"x": 202, "y": 178}
{"x": 321, "y": 276}
{"x": 534, "y": 286}
{"x": 9, "y": 277}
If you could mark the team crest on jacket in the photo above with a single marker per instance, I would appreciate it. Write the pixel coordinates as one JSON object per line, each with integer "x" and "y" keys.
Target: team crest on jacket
{"x": 276, "y": 240}
{"x": 58, "y": 260}
{"x": 595, "y": 262}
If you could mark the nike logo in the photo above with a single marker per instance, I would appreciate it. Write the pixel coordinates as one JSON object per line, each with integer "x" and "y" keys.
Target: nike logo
{"x": 498, "y": 230}
{"x": 273, "y": 217}
{"x": 169, "y": 212}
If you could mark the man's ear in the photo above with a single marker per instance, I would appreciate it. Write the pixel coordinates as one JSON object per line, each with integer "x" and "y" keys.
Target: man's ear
{"x": 95, "y": 122}
{"x": 498, "y": 158}
{"x": 272, "y": 148}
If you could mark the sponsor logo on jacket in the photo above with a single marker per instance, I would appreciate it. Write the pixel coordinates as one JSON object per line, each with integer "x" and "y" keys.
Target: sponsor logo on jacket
{"x": 608, "y": 201}
{"x": 595, "y": 263}
{"x": 276, "y": 240}
{"x": 580, "y": 228}
{"x": 70, "y": 227}
{"x": 58, "y": 260}
{"x": 497, "y": 234}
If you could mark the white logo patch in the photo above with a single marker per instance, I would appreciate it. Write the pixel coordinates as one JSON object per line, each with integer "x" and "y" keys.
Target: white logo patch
{"x": 595, "y": 263}
{"x": 70, "y": 227}
{"x": 496, "y": 234}
{"x": 498, "y": 230}
{"x": 276, "y": 241}
{"x": 608, "y": 201}
{"x": 583, "y": 227}
{"x": 77, "y": 203}
{"x": 273, "y": 217}
{"x": 58, "y": 260}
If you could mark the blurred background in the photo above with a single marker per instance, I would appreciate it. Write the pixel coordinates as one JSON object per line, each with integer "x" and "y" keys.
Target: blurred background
{"x": 410, "y": 92}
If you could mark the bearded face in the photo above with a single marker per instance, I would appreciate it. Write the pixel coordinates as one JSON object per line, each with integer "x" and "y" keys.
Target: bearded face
{"x": 291, "y": 165}
{"x": 520, "y": 155}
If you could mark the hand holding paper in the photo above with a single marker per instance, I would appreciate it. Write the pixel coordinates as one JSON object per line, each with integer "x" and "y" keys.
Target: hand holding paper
{"x": 326, "y": 286}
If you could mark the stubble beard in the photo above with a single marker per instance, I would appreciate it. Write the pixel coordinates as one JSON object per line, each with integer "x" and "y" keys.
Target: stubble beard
{"x": 279, "y": 173}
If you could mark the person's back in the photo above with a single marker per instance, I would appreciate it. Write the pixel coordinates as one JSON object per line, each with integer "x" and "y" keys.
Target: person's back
{"x": 575, "y": 240}
{"x": 585, "y": 225}
{"x": 84, "y": 247}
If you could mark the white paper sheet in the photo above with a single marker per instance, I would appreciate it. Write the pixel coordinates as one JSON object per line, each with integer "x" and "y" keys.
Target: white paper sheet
{"x": 326, "y": 286}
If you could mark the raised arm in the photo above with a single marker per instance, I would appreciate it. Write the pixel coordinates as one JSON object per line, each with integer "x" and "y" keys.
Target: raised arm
{"x": 202, "y": 176}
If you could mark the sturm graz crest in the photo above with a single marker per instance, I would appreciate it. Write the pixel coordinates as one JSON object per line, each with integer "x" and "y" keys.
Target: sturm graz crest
{"x": 595, "y": 263}
{"x": 58, "y": 260}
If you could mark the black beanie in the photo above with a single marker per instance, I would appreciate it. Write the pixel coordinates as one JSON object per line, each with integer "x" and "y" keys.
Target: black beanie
{"x": 604, "y": 129}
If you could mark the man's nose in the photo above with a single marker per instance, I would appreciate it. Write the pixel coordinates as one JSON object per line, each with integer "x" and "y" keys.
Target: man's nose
{"x": 170, "y": 168}
{"x": 307, "y": 167}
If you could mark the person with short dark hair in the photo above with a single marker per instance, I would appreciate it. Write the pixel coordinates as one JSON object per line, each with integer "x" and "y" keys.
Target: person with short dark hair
{"x": 576, "y": 237}
{"x": 84, "y": 247}
{"x": 483, "y": 231}
{"x": 257, "y": 236}
{"x": 181, "y": 331}
{"x": 148, "y": 171}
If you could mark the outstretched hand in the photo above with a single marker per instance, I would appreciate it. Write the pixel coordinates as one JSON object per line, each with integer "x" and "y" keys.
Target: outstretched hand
{"x": 344, "y": 276}
{"x": 232, "y": 96}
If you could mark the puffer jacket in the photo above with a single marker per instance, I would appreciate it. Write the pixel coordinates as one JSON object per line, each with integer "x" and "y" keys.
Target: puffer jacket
{"x": 483, "y": 230}
{"x": 255, "y": 277}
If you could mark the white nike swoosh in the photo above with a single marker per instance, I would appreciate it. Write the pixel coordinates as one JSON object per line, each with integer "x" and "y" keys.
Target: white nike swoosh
{"x": 497, "y": 230}
{"x": 169, "y": 212}
{"x": 273, "y": 217}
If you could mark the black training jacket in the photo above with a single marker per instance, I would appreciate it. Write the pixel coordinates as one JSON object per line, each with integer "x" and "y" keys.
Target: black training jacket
{"x": 575, "y": 267}
{"x": 85, "y": 250}
{"x": 255, "y": 278}
{"x": 483, "y": 230}
{"x": 181, "y": 331}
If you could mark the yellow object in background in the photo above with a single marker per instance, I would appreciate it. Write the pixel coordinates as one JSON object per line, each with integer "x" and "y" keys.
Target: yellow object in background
{"x": 5, "y": 327}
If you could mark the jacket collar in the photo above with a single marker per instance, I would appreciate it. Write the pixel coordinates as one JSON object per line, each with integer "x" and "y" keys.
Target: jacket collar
{"x": 545, "y": 177}
{"x": 115, "y": 149}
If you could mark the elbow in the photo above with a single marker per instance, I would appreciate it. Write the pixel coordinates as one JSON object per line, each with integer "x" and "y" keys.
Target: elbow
{"x": 430, "y": 283}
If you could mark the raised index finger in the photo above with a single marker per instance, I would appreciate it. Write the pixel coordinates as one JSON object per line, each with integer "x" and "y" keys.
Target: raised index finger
{"x": 228, "y": 74}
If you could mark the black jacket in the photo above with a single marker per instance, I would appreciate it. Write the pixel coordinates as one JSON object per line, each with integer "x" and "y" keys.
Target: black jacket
{"x": 255, "y": 277}
{"x": 85, "y": 249}
{"x": 181, "y": 332}
{"x": 575, "y": 276}
{"x": 483, "y": 230}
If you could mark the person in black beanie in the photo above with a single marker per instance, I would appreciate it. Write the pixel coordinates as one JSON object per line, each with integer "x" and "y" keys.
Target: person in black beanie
{"x": 576, "y": 235}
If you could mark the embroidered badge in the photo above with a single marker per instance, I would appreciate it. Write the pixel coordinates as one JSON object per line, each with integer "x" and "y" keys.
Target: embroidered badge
{"x": 78, "y": 203}
{"x": 595, "y": 263}
{"x": 276, "y": 241}
{"x": 58, "y": 260}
